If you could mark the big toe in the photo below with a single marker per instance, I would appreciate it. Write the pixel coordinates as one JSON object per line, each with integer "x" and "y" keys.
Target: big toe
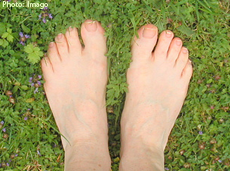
{"x": 94, "y": 39}
{"x": 143, "y": 45}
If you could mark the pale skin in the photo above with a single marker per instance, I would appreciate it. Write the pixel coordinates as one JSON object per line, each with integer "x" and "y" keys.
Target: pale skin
{"x": 75, "y": 86}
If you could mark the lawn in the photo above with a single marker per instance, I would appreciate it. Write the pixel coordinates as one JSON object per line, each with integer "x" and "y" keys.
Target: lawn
{"x": 29, "y": 138}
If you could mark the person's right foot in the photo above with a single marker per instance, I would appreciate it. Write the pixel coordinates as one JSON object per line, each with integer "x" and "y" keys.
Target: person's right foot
{"x": 158, "y": 83}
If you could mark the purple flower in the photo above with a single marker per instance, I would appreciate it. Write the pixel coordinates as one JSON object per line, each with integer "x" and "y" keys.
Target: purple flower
{"x": 27, "y": 36}
{"x": 50, "y": 16}
{"x": 23, "y": 38}
{"x": 7, "y": 164}
{"x": 44, "y": 20}
{"x": 200, "y": 132}
{"x": 21, "y": 34}
{"x": 22, "y": 43}
{"x": 166, "y": 168}
{"x": 220, "y": 161}
{"x": 34, "y": 82}
{"x": 26, "y": 118}
{"x": 4, "y": 130}
{"x": 16, "y": 155}
{"x": 2, "y": 122}
{"x": 45, "y": 14}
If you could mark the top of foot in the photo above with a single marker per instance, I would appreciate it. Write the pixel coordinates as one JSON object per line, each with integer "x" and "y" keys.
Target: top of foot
{"x": 75, "y": 82}
{"x": 158, "y": 80}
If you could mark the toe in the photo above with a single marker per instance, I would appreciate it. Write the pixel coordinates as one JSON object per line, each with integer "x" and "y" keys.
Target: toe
{"x": 73, "y": 41}
{"x": 53, "y": 54}
{"x": 182, "y": 59}
{"x": 187, "y": 71}
{"x": 143, "y": 46}
{"x": 46, "y": 66}
{"x": 163, "y": 44}
{"x": 93, "y": 37}
{"x": 174, "y": 50}
{"x": 62, "y": 46}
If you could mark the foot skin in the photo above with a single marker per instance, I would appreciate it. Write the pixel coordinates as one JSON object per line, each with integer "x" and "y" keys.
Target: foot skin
{"x": 75, "y": 86}
{"x": 158, "y": 83}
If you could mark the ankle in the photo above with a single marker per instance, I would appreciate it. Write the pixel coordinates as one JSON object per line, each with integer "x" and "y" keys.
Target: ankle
{"x": 143, "y": 145}
{"x": 152, "y": 158}
{"x": 145, "y": 137}
{"x": 85, "y": 140}
{"x": 87, "y": 156}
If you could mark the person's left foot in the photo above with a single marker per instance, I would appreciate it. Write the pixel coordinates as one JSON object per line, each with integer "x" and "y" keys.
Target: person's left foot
{"x": 75, "y": 85}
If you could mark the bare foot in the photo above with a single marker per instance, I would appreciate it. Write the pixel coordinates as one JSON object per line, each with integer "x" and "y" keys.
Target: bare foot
{"x": 158, "y": 83}
{"x": 75, "y": 86}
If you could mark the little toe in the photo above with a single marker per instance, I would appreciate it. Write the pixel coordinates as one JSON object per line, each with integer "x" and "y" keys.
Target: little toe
{"x": 46, "y": 66}
{"x": 73, "y": 41}
{"x": 53, "y": 54}
{"x": 163, "y": 45}
{"x": 187, "y": 72}
{"x": 94, "y": 39}
{"x": 174, "y": 50}
{"x": 143, "y": 46}
{"x": 62, "y": 45}
{"x": 182, "y": 59}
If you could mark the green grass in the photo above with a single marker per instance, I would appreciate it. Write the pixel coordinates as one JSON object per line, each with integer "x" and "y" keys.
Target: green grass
{"x": 204, "y": 27}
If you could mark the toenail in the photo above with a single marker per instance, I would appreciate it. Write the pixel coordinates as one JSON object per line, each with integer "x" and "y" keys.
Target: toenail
{"x": 185, "y": 50}
{"x": 168, "y": 33}
{"x": 51, "y": 44}
{"x": 178, "y": 42}
{"x": 70, "y": 28}
{"x": 149, "y": 32}
{"x": 91, "y": 26}
{"x": 59, "y": 36}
